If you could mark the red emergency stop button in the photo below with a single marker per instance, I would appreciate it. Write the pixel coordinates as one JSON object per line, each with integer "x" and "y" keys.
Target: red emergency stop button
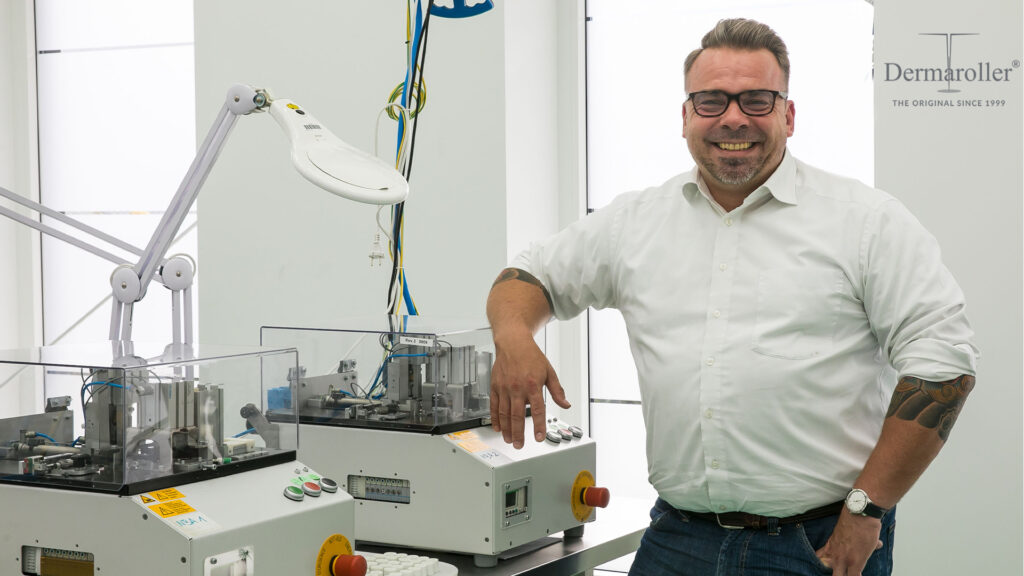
{"x": 596, "y": 497}
{"x": 348, "y": 565}
{"x": 311, "y": 488}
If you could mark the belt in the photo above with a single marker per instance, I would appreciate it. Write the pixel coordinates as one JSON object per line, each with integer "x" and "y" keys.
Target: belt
{"x": 740, "y": 520}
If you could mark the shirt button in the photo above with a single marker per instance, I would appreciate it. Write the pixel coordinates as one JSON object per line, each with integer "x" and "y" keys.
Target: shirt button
{"x": 723, "y": 266}
{"x": 722, "y": 508}
{"x": 710, "y": 362}
{"x": 728, "y": 221}
{"x": 717, "y": 314}
{"x": 708, "y": 413}
{"x": 714, "y": 464}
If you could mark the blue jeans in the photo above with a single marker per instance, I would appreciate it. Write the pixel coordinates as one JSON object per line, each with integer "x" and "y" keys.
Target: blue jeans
{"x": 679, "y": 545}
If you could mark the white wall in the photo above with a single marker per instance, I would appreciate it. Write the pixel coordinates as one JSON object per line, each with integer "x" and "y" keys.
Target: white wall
{"x": 959, "y": 171}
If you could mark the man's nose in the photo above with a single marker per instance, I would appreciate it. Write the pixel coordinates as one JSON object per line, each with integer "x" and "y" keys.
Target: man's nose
{"x": 734, "y": 117}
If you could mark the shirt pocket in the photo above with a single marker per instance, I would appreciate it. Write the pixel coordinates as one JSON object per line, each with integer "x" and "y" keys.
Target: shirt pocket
{"x": 797, "y": 312}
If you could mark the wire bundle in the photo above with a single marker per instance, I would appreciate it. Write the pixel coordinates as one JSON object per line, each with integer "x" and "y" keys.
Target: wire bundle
{"x": 413, "y": 95}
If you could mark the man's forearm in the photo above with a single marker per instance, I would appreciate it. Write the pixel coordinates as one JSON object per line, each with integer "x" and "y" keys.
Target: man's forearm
{"x": 517, "y": 302}
{"x": 920, "y": 418}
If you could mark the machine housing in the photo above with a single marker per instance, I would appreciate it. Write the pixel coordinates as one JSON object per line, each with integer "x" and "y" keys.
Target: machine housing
{"x": 398, "y": 410}
{"x": 115, "y": 463}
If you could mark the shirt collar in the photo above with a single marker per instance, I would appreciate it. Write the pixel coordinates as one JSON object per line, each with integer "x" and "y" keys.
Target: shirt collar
{"x": 781, "y": 184}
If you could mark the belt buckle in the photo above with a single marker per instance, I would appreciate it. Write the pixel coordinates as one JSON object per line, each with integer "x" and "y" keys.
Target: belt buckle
{"x": 726, "y": 526}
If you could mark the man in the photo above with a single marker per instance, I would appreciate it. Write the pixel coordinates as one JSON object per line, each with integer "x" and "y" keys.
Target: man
{"x": 771, "y": 308}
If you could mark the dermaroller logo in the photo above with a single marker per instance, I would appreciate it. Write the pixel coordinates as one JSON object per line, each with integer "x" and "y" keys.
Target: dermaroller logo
{"x": 957, "y": 73}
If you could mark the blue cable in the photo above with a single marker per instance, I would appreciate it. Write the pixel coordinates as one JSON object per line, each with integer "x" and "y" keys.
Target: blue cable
{"x": 88, "y": 384}
{"x": 409, "y": 73}
{"x": 240, "y": 434}
{"x": 409, "y": 306}
{"x": 41, "y": 435}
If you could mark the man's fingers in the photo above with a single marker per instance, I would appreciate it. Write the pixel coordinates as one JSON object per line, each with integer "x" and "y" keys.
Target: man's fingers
{"x": 518, "y": 422}
{"x": 537, "y": 409}
{"x": 555, "y": 387}
{"x": 879, "y": 545}
{"x": 503, "y": 418}
{"x": 495, "y": 404}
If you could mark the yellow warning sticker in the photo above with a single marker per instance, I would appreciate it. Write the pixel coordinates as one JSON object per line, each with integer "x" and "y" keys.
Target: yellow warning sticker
{"x": 146, "y": 499}
{"x": 171, "y": 508}
{"x": 472, "y": 446}
{"x": 463, "y": 435}
{"x": 164, "y": 495}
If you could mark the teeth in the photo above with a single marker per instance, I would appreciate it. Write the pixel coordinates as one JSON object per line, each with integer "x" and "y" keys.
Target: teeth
{"x": 735, "y": 145}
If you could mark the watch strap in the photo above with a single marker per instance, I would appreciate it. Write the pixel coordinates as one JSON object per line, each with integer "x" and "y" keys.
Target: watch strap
{"x": 873, "y": 510}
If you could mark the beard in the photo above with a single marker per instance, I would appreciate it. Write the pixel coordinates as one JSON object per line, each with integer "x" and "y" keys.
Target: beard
{"x": 733, "y": 171}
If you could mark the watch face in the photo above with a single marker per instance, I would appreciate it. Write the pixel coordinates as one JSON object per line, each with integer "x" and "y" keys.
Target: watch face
{"x": 857, "y": 501}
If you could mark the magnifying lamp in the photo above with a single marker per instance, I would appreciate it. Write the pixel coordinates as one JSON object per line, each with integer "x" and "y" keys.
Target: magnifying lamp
{"x": 318, "y": 155}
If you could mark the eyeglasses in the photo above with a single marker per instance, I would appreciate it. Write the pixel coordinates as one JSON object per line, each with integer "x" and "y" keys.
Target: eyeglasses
{"x": 712, "y": 103}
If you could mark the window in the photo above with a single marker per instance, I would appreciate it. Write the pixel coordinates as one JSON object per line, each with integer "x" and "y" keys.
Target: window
{"x": 116, "y": 93}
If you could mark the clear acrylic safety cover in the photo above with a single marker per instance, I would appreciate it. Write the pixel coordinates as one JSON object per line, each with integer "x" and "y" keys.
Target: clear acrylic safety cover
{"x": 405, "y": 373}
{"x": 130, "y": 418}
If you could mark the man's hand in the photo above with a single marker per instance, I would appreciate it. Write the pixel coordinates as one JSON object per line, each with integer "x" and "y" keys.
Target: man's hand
{"x": 852, "y": 542}
{"x": 520, "y": 373}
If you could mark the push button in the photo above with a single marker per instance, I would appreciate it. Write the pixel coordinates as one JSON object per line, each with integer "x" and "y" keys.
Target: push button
{"x": 328, "y": 485}
{"x": 311, "y": 488}
{"x": 294, "y": 493}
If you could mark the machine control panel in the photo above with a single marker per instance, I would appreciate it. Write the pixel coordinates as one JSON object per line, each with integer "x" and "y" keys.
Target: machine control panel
{"x": 308, "y": 484}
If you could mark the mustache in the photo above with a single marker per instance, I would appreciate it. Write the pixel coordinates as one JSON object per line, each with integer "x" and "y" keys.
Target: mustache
{"x": 745, "y": 134}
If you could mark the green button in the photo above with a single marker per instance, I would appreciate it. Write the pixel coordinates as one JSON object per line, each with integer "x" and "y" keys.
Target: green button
{"x": 295, "y": 490}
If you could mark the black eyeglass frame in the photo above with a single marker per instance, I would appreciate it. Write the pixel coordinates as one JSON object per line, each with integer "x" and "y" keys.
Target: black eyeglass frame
{"x": 730, "y": 97}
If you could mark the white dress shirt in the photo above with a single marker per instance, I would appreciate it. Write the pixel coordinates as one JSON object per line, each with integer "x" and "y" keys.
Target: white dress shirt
{"x": 768, "y": 339}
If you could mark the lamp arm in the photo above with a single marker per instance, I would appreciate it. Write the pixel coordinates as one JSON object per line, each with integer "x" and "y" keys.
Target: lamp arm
{"x": 320, "y": 156}
{"x": 240, "y": 100}
{"x": 51, "y": 231}
{"x": 60, "y": 216}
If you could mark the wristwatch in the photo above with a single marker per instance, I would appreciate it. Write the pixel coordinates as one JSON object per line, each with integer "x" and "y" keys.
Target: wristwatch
{"x": 857, "y": 502}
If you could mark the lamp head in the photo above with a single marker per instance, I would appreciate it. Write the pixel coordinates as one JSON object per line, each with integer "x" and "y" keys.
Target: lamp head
{"x": 327, "y": 161}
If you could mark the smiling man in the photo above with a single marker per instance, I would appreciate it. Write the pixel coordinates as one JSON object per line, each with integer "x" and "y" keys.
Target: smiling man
{"x": 802, "y": 351}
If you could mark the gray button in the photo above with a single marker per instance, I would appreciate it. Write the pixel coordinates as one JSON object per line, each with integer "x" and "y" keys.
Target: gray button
{"x": 328, "y": 485}
{"x": 553, "y": 437}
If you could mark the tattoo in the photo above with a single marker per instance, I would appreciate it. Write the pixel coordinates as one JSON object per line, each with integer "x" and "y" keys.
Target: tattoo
{"x": 931, "y": 404}
{"x": 524, "y": 276}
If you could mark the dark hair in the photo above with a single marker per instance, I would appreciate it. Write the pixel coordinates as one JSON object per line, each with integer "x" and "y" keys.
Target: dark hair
{"x": 742, "y": 34}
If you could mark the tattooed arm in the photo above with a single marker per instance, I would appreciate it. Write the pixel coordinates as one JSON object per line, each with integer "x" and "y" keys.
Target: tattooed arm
{"x": 517, "y": 307}
{"x": 921, "y": 415}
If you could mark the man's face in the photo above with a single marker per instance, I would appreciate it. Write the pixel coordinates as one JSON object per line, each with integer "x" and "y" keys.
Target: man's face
{"x": 737, "y": 153}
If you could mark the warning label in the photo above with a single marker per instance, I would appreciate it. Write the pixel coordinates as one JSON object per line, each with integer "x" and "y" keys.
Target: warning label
{"x": 171, "y": 508}
{"x": 164, "y": 495}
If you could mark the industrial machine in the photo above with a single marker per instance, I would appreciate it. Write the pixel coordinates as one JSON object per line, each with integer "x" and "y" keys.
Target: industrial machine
{"x": 396, "y": 408}
{"x": 117, "y": 462}
{"x": 158, "y": 465}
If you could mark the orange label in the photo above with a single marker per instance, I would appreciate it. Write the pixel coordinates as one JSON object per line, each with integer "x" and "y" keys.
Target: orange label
{"x": 171, "y": 508}
{"x": 472, "y": 445}
{"x": 164, "y": 495}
